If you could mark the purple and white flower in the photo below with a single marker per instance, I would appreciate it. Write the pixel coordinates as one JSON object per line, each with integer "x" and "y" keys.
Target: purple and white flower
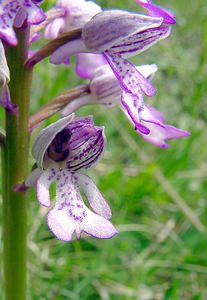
{"x": 62, "y": 151}
{"x": 104, "y": 88}
{"x": 14, "y": 13}
{"x": 147, "y": 121}
{"x": 117, "y": 35}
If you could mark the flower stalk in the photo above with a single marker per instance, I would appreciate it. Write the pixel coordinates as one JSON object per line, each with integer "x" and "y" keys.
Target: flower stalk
{"x": 14, "y": 170}
{"x": 56, "y": 105}
{"x": 53, "y": 45}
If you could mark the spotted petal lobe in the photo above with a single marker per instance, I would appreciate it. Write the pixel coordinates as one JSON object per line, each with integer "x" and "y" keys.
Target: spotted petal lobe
{"x": 129, "y": 77}
{"x": 61, "y": 225}
{"x": 94, "y": 197}
{"x": 97, "y": 226}
{"x": 132, "y": 106}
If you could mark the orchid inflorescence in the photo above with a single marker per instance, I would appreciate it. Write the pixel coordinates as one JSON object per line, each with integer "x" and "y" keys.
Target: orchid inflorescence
{"x": 101, "y": 41}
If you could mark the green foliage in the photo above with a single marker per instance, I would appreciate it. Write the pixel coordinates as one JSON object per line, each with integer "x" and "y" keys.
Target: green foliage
{"x": 159, "y": 254}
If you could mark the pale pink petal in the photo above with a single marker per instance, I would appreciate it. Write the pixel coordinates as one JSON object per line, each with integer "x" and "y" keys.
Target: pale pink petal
{"x": 53, "y": 29}
{"x": 61, "y": 225}
{"x": 159, "y": 132}
{"x": 68, "y": 49}
{"x": 97, "y": 226}
{"x": 148, "y": 71}
{"x": 43, "y": 185}
{"x": 156, "y": 113}
{"x": 86, "y": 64}
{"x": 94, "y": 197}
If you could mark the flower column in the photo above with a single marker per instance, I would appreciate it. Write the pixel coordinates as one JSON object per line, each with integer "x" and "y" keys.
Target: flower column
{"x": 14, "y": 162}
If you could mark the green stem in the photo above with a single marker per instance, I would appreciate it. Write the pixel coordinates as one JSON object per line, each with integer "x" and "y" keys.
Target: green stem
{"x": 15, "y": 164}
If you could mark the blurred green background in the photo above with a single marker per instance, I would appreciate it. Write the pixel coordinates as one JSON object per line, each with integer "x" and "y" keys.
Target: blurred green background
{"x": 158, "y": 197}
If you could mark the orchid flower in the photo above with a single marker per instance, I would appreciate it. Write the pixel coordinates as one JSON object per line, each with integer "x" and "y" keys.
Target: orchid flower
{"x": 105, "y": 88}
{"x": 62, "y": 151}
{"x": 156, "y": 11}
{"x": 148, "y": 121}
{"x": 77, "y": 14}
{"x": 14, "y": 13}
{"x": 117, "y": 35}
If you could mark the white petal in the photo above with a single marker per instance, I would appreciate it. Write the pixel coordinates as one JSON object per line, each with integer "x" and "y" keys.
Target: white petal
{"x": 61, "y": 225}
{"x": 94, "y": 197}
{"x": 97, "y": 226}
{"x": 68, "y": 49}
{"x": 147, "y": 70}
{"x": 43, "y": 185}
{"x": 54, "y": 28}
